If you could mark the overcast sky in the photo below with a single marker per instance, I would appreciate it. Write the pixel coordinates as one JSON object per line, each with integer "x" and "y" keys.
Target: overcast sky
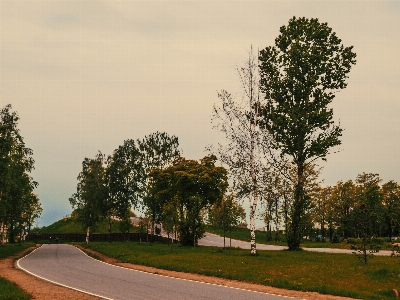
{"x": 86, "y": 75}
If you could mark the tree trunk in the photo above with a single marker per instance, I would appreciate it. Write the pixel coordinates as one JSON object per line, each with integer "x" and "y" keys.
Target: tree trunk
{"x": 252, "y": 229}
{"x": 109, "y": 229}
{"x": 87, "y": 235}
{"x": 224, "y": 234}
{"x": 230, "y": 236}
{"x": 295, "y": 230}
{"x": 3, "y": 233}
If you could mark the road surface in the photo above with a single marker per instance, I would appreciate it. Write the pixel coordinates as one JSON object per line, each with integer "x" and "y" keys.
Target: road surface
{"x": 68, "y": 266}
{"x": 211, "y": 239}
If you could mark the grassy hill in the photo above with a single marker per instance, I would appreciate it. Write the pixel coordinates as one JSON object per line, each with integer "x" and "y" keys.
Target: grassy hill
{"x": 69, "y": 225}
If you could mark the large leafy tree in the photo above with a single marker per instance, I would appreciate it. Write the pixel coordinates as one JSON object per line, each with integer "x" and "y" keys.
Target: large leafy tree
{"x": 391, "y": 207}
{"x": 193, "y": 186}
{"x": 129, "y": 168}
{"x": 157, "y": 150}
{"x": 369, "y": 213}
{"x": 16, "y": 185}
{"x": 122, "y": 176}
{"x": 91, "y": 193}
{"x": 299, "y": 76}
{"x": 341, "y": 219}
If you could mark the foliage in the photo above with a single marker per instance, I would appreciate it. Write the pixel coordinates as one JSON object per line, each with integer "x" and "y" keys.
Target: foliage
{"x": 170, "y": 216}
{"x": 337, "y": 274}
{"x": 11, "y": 249}
{"x": 10, "y": 291}
{"x": 19, "y": 206}
{"x": 226, "y": 213}
{"x": 129, "y": 168}
{"x": 70, "y": 225}
{"x": 193, "y": 186}
{"x": 91, "y": 195}
{"x": 299, "y": 76}
{"x": 391, "y": 207}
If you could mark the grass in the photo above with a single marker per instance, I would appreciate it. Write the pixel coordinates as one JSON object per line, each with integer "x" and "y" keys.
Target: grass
{"x": 10, "y": 249}
{"x": 69, "y": 225}
{"x": 335, "y": 274}
{"x": 243, "y": 234}
{"x": 9, "y": 290}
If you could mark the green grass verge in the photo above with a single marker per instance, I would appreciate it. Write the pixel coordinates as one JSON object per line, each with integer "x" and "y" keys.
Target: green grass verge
{"x": 335, "y": 274}
{"x": 69, "y": 225}
{"x": 9, "y": 290}
{"x": 243, "y": 234}
{"x": 9, "y": 249}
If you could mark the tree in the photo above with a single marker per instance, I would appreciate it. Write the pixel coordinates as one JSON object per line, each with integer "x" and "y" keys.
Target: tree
{"x": 129, "y": 168}
{"x": 391, "y": 206}
{"x": 226, "y": 213}
{"x": 246, "y": 154}
{"x": 158, "y": 150}
{"x": 91, "y": 195}
{"x": 341, "y": 219}
{"x": 194, "y": 186}
{"x": 367, "y": 213}
{"x": 273, "y": 195}
{"x": 121, "y": 182}
{"x": 17, "y": 202}
{"x": 321, "y": 208}
{"x": 299, "y": 77}
{"x": 170, "y": 217}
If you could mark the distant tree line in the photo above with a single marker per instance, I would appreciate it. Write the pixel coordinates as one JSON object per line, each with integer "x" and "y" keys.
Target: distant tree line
{"x": 357, "y": 209}
{"x": 19, "y": 205}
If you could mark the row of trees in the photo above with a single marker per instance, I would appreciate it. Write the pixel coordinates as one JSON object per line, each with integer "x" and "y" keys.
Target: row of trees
{"x": 108, "y": 186}
{"x": 19, "y": 205}
{"x": 357, "y": 209}
{"x": 149, "y": 175}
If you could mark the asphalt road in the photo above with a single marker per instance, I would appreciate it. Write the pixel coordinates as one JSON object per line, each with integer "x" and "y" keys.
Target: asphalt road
{"x": 218, "y": 241}
{"x": 68, "y": 266}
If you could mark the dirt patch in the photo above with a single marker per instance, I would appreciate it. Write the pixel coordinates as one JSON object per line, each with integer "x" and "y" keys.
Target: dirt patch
{"x": 214, "y": 280}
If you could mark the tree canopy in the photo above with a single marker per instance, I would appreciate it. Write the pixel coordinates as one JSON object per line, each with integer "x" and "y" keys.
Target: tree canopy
{"x": 19, "y": 206}
{"x": 193, "y": 186}
{"x": 299, "y": 77}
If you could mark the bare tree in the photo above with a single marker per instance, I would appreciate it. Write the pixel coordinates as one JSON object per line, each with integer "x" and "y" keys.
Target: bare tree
{"x": 246, "y": 153}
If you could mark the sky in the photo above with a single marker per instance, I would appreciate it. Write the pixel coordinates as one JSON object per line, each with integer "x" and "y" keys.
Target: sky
{"x": 85, "y": 75}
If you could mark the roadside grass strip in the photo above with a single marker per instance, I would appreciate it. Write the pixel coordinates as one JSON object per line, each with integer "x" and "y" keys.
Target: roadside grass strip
{"x": 10, "y": 249}
{"x": 325, "y": 273}
{"x": 10, "y": 291}
{"x": 242, "y": 234}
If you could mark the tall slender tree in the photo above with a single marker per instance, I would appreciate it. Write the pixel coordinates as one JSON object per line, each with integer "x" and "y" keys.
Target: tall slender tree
{"x": 16, "y": 185}
{"x": 299, "y": 77}
{"x": 246, "y": 153}
{"x": 91, "y": 193}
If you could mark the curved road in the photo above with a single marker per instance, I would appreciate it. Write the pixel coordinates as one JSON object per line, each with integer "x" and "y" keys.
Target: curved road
{"x": 68, "y": 266}
{"x": 211, "y": 239}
